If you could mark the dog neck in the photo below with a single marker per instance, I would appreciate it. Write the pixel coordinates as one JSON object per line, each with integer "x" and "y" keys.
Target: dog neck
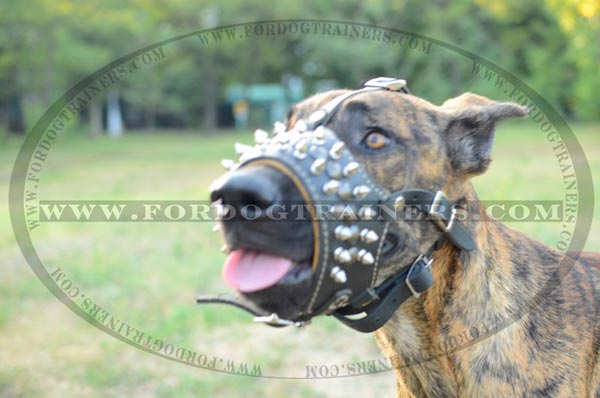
{"x": 471, "y": 292}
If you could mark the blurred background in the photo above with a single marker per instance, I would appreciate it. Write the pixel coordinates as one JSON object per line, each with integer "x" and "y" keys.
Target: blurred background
{"x": 160, "y": 132}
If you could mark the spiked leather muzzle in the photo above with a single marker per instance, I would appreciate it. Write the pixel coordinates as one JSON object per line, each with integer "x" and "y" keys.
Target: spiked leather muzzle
{"x": 351, "y": 215}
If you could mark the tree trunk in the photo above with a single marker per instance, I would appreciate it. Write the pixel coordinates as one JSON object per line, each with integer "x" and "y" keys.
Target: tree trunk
{"x": 16, "y": 120}
{"x": 95, "y": 117}
{"x": 211, "y": 93}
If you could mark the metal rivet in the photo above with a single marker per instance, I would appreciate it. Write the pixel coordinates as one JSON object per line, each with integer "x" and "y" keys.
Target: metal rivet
{"x": 367, "y": 213}
{"x": 331, "y": 187}
{"x": 261, "y": 136}
{"x": 337, "y": 149}
{"x": 241, "y": 148}
{"x": 317, "y": 116}
{"x": 360, "y": 191}
{"x": 317, "y": 151}
{"x": 227, "y": 163}
{"x": 368, "y": 236}
{"x": 334, "y": 170}
{"x": 350, "y": 169}
{"x": 300, "y": 126}
{"x": 345, "y": 191}
{"x": 338, "y": 275}
{"x": 399, "y": 202}
{"x": 318, "y": 166}
{"x": 342, "y": 255}
{"x": 279, "y": 128}
{"x": 366, "y": 257}
{"x": 342, "y": 232}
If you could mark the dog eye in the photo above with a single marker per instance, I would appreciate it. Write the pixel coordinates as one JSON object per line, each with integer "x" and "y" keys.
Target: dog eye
{"x": 376, "y": 140}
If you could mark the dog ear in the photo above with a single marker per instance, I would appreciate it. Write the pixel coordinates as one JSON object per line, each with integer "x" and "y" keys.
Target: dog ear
{"x": 470, "y": 130}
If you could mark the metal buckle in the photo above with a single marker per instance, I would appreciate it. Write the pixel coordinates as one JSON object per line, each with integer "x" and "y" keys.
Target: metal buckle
{"x": 428, "y": 262}
{"x": 387, "y": 83}
{"x": 434, "y": 211}
{"x": 275, "y": 320}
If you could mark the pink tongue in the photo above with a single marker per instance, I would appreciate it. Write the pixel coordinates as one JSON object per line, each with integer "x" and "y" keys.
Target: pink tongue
{"x": 249, "y": 271}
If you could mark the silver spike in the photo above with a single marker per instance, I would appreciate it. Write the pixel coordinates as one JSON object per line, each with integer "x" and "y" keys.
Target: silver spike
{"x": 279, "y": 128}
{"x": 300, "y": 126}
{"x": 351, "y": 169}
{"x": 240, "y": 148}
{"x": 227, "y": 163}
{"x": 342, "y": 255}
{"x": 337, "y": 149}
{"x": 368, "y": 236}
{"x": 317, "y": 116}
{"x": 342, "y": 232}
{"x": 399, "y": 202}
{"x": 261, "y": 136}
{"x": 319, "y": 133}
{"x": 334, "y": 170}
{"x": 366, "y": 257}
{"x": 318, "y": 166}
{"x": 216, "y": 228}
{"x": 302, "y": 146}
{"x": 338, "y": 275}
{"x": 331, "y": 187}
{"x": 367, "y": 213}
{"x": 360, "y": 191}
{"x": 299, "y": 155}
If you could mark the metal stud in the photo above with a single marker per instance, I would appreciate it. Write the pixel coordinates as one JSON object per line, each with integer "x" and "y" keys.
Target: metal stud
{"x": 331, "y": 187}
{"x": 337, "y": 210}
{"x": 399, "y": 202}
{"x": 366, "y": 257}
{"x": 317, "y": 116}
{"x": 368, "y": 236}
{"x": 338, "y": 275}
{"x": 367, "y": 213}
{"x": 345, "y": 191}
{"x": 318, "y": 166}
{"x": 279, "y": 128}
{"x": 300, "y": 126}
{"x": 299, "y": 155}
{"x": 241, "y": 148}
{"x": 261, "y": 136}
{"x": 342, "y": 232}
{"x": 334, "y": 170}
{"x": 319, "y": 133}
{"x": 337, "y": 149}
{"x": 302, "y": 146}
{"x": 342, "y": 255}
{"x": 351, "y": 169}
{"x": 360, "y": 191}
{"x": 227, "y": 163}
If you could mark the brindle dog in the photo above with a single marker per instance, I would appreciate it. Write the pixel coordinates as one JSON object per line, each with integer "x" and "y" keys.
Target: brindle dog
{"x": 549, "y": 349}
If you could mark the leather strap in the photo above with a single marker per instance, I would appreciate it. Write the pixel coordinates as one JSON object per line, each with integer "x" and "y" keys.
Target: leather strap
{"x": 441, "y": 211}
{"x": 389, "y": 296}
{"x": 236, "y": 301}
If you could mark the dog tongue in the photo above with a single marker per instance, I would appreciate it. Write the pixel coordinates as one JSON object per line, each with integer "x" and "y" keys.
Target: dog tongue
{"x": 249, "y": 271}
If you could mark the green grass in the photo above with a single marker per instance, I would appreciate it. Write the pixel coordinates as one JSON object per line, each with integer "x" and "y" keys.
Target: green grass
{"x": 147, "y": 274}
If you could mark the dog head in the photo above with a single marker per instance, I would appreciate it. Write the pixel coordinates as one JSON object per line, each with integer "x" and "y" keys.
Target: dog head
{"x": 400, "y": 140}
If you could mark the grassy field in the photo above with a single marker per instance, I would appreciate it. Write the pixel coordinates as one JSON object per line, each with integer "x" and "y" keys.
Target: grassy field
{"x": 147, "y": 275}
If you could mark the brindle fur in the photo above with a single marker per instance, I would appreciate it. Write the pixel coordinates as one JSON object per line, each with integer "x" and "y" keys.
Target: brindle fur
{"x": 548, "y": 350}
